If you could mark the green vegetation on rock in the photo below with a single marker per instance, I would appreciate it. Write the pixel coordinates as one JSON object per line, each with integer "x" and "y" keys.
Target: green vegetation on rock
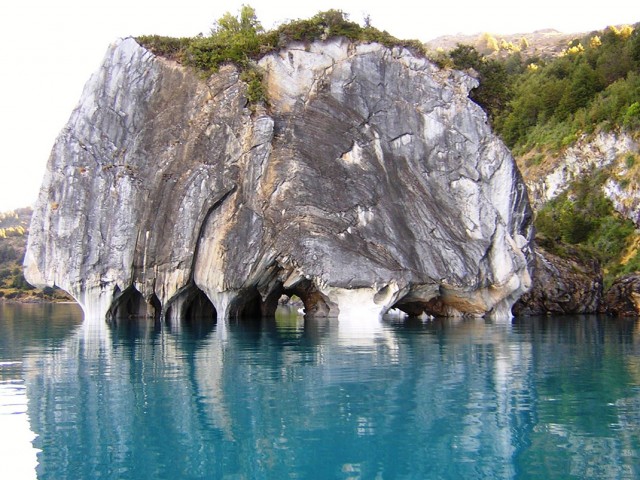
{"x": 547, "y": 103}
{"x": 242, "y": 41}
{"x": 584, "y": 218}
{"x": 494, "y": 92}
{"x": 540, "y": 106}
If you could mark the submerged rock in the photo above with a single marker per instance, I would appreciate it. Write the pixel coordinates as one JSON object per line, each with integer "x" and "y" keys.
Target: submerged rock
{"x": 370, "y": 182}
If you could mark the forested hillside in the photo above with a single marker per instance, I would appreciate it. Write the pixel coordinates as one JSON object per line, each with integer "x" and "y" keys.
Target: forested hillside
{"x": 595, "y": 85}
{"x": 542, "y": 105}
{"x": 539, "y": 102}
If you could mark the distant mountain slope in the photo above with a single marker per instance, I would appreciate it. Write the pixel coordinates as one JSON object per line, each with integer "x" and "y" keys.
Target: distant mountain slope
{"x": 14, "y": 229}
{"x": 543, "y": 43}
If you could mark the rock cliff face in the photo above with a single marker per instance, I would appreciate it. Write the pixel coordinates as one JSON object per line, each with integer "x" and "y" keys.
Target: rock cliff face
{"x": 370, "y": 182}
{"x": 623, "y": 298}
{"x": 562, "y": 286}
{"x": 587, "y": 155}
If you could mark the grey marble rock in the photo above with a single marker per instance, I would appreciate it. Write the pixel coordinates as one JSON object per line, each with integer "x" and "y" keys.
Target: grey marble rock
{"x": 371, "y": 181}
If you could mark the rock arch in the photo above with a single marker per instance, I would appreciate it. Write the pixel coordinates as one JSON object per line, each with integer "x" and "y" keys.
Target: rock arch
{"x": 190, "y": 304}
{"x": 316, "y": 304}
{"x": 128, "y": 304}
{"x": 247, "y": 304}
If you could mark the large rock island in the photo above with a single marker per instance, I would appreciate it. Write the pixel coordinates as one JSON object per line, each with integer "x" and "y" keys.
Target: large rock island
{"x": 369, "y": 182}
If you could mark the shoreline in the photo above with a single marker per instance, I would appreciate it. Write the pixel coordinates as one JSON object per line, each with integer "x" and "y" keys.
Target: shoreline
{"x": 34, "y": 300}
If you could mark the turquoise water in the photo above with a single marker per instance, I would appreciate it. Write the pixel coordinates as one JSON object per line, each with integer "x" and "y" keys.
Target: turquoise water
{"x": 538, "y": 398}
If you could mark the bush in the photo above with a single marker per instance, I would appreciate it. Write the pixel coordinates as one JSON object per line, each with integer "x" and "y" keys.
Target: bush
{"x": 5, "y": 273}
{"x": 20, "y": 283}
{"x": 256, "y": 92}
{"x": 169, "y": 47}
{"x": 241, "y": 40}
{"x": 630, "y": 161}
{"x": 631, "y": 117}
{"x": 8, "y": 254}
{"x": 631, "y": 266}
{"x": 48, "y": 291}
{"x": 233, "y": 39}
{"x": 494, "y": 90}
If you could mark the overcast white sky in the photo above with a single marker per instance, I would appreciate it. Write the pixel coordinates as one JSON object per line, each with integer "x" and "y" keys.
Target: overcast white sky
{"x": 49, "y": 48}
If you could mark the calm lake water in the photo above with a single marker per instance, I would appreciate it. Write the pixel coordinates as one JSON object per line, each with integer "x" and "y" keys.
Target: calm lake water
{"x": 538, "y": 398}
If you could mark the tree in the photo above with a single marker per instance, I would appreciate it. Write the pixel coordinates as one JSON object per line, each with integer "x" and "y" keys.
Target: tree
{"x": 494, "y": 91}
{"x": 229, "y": 25}
{"x": 233, "y": 39}
{"x": 582, "y": 89}
{"x": 490, "y": 42}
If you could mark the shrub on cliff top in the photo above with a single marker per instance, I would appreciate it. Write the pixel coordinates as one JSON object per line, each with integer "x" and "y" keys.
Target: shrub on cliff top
{"x": 232, "y": 39}
{"x": 241, "y": 39}
{"x": 168, "y": 47}
{"x": 494, "y": 91}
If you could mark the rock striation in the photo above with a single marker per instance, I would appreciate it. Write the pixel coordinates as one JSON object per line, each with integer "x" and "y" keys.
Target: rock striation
{"x": 370, "y": 182}
{"x": 590, "y": 153}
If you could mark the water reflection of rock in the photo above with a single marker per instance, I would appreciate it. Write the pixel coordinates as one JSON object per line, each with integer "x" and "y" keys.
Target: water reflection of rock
{"x": 17, "y": 454}
{"x": 575, "y": 437}
{"x": 257, "y": 397}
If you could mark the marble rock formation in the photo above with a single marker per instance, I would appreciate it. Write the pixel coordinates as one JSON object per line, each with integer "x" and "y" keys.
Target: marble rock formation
{"x": 370, "y": 182}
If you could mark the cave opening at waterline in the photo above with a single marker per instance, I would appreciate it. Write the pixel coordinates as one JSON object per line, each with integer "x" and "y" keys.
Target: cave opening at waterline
{"x": 130, "y": 304}
{"x": 289, "y": 304}
{"x": 200, "y": 308}
{"x": 190, "y": 306}
{"x": 303, "y": 296}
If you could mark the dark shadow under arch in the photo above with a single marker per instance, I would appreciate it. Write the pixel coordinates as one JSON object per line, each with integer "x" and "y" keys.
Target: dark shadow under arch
{"x": 191, "y": 304}
{"x": 200, "y": 307}
{"x": 128, "y": 304}
{"x": 247, "y": 305}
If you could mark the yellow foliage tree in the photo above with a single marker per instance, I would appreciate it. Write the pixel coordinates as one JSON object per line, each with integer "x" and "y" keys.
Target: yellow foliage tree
{"x": 624, "y": 31}
{"x": 576, "y": 49}
{"x": 508, "y": 46}
{"x": 490, "y": 42}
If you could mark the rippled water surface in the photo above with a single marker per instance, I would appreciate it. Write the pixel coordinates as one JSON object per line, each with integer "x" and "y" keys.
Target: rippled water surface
{"x": 538, "y": 398}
